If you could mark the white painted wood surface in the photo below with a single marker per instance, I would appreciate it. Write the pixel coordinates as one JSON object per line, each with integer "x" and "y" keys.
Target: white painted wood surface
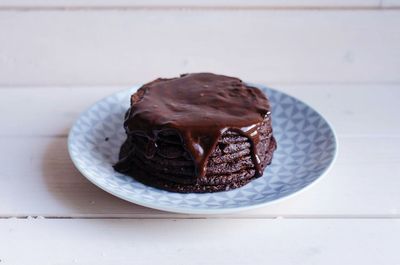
{"x": 127, "y": 47}
{"x": 59, "y": 57}
{"x": 191, "y": 3}
{"x": 390, "y": 3}
{"x": 258, "y": 241}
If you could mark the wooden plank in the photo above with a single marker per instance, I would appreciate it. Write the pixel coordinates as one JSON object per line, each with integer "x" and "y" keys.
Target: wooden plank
{"x": 390, "y": 3}
{"x": 45, "y": 111}
{"x": 50, "y": 111}
{"x": 192, "y": 3}
{"x": 35, "y": 162}
{"x": 40, "y": 180}
{"x": 133, "y": 46}
{"x": 200, "y": 241}
{"x": 353, "y": 110}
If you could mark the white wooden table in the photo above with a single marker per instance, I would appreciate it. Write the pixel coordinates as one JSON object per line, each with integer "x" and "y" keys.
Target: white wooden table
{"x": 57, "y": 58}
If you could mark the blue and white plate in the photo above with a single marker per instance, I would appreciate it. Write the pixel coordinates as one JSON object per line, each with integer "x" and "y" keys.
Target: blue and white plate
{"x": 306, "y": 149}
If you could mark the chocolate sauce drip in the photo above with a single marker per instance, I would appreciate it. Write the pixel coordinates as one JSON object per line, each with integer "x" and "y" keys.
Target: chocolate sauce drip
{"x": 200, "y": 108}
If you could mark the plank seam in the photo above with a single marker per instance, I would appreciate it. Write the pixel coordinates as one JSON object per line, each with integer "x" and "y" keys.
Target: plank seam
{"x": 146, "y": 217}
{"x": 196, "y": 8}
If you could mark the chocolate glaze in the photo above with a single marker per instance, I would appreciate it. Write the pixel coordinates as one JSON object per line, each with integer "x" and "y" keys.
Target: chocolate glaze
{"x": 200, "y": 107}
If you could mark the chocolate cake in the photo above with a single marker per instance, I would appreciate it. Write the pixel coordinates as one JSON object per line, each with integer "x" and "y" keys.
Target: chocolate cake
{"x": 197, "y": 133}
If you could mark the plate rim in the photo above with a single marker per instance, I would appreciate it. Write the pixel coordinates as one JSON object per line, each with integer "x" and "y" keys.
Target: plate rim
{"x": 210, "y": 211}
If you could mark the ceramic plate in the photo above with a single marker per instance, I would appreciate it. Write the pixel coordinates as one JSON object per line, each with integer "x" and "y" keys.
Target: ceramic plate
{"x": 306, "y": 149}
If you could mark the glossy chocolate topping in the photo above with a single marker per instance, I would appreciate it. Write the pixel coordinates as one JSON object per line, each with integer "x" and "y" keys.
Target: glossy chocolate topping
{"x": 200, "y": 107}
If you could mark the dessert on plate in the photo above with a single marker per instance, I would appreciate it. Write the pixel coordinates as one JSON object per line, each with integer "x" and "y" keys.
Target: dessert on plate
{"x": 199, "y": 132}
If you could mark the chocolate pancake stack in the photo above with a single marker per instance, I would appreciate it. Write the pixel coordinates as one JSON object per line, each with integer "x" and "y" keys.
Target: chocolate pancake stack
{"x": 197, "y": 133}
